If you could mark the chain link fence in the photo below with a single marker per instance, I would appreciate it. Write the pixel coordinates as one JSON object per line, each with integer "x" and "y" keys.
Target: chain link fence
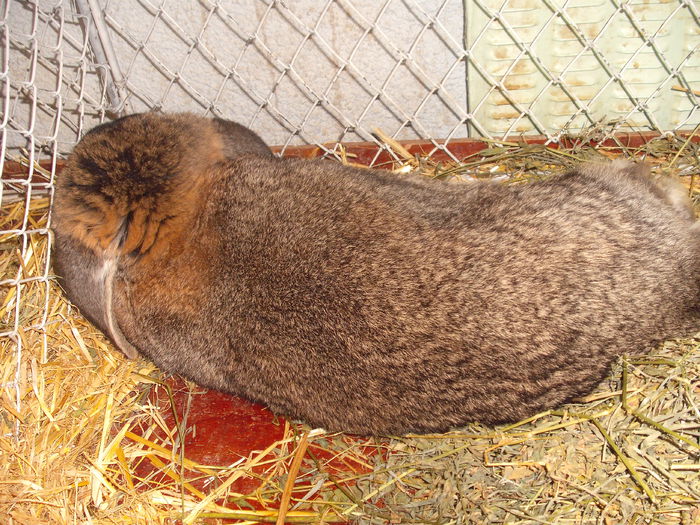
{"x": 323, "y": 72}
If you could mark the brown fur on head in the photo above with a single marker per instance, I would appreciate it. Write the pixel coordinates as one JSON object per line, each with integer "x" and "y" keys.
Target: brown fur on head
{"x": 135, "y": 181}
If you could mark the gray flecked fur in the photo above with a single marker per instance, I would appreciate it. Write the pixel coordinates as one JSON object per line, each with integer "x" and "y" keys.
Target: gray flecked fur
{"x": 367, "y": 301}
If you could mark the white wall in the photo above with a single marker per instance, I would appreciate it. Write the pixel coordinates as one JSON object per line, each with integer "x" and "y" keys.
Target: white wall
{"x": 316, "y": 66}
{"x": 309, "y": 71}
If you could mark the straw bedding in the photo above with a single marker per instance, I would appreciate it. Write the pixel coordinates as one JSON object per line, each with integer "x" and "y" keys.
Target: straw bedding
{"x": 79, "y": 424}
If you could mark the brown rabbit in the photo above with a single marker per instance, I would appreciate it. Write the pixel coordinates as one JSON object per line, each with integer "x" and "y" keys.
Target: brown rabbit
{"x": 362, "y": 300}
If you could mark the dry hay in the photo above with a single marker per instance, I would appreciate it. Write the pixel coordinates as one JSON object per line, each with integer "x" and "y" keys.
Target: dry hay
{"x": 628, "y": 453}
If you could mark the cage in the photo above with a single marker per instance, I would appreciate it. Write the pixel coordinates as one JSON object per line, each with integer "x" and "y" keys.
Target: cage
{"x": 511, "y": 88}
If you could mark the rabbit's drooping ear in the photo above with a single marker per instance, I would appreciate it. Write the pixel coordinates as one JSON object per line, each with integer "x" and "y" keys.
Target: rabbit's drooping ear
{"x": 136, "y": 184}
{"x": 89, "y": 280}
{"x": 239, "y": 140}
{"x": 676, "y": 195}
{"x": 115, "y": 332}
{"x": 666, "y": 187}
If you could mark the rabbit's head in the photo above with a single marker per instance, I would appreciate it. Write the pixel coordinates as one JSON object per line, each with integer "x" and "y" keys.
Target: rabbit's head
{"x": 128, "y": 193}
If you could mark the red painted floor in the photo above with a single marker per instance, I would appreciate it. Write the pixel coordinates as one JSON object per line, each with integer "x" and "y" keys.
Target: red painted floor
{"x": 222, "y": 429}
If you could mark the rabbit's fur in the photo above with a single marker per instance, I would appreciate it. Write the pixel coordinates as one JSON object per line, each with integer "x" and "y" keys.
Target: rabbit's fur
{"x": 363, "y": 300}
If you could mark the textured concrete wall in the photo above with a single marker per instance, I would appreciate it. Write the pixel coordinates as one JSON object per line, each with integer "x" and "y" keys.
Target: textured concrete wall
{"x": 305, "y": 71}
{"x": 297, "y": 72}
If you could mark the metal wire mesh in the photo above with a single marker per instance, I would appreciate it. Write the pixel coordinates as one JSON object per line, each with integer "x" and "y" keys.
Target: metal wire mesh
{"x": 313, "y": 72}
{"x": 564, "y": 66}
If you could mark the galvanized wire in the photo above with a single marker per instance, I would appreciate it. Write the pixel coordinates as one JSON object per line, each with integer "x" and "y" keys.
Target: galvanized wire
{"x": 332, "y": 71}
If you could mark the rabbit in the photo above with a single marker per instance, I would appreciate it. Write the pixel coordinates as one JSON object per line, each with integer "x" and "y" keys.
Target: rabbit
{"x": 364, "y": 301}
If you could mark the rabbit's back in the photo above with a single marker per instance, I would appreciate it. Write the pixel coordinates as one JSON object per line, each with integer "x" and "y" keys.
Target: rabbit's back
{"x": 368, "y": 302}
